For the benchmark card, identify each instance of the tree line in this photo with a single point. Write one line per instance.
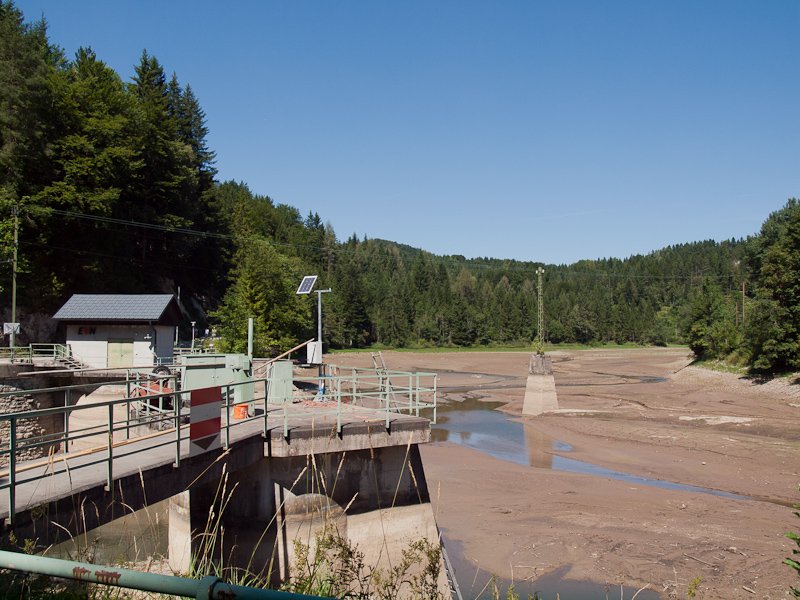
(115, 191)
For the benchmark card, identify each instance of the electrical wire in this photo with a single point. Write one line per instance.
(560, 271)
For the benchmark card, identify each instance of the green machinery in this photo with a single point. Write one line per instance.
(211, 370)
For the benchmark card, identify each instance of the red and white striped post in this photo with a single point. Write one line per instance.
(205, 420)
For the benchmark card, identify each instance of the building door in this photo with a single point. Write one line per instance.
(120, 353)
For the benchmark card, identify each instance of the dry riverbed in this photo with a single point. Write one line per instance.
(642, 412)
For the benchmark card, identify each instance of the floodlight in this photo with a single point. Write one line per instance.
(306, 285)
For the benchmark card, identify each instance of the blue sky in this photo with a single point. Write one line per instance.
(546, 131)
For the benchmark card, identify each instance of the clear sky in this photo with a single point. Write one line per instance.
(548, 131)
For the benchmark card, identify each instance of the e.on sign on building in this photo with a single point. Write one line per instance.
(120, 330)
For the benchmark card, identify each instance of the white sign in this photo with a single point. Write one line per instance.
(10, 328)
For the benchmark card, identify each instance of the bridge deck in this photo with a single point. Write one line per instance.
(309, 429)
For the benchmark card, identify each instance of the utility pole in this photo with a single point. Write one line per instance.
(743, 289)
(540, 332)
(178, 327)
(319, 327)
(13, 336)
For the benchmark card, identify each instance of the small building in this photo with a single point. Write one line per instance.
(120, 330)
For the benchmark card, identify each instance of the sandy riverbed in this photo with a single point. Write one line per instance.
(648, 414)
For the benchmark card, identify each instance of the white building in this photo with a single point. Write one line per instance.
(119, 330)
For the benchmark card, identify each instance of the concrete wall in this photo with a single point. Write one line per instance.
(377, 500)
(89, 342)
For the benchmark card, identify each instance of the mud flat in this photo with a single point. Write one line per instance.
(725, 449)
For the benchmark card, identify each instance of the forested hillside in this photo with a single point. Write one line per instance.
(114, 190)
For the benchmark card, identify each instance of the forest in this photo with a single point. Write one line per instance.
(111, 188)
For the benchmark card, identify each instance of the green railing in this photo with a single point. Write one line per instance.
(31, 351)
(375, 393)
(210, 587)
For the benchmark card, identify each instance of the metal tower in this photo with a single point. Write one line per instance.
(540, 331)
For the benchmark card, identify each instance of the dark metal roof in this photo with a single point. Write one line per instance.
(115, 307)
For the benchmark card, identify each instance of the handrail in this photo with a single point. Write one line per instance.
(26, 354)
(263, 367)
(211, 587)
(383, 393)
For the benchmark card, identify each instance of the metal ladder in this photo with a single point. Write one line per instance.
(385, 384)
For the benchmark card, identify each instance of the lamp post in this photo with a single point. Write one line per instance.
(306, 285)
(193, 324)
(319, 326)
(12, 339)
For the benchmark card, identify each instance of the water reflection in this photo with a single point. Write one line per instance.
(479, 426)
(476, 583)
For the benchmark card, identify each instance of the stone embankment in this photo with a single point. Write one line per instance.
(26, 428)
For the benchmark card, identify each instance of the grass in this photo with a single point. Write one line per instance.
(498, 348)
(736, 368)
(720, 366)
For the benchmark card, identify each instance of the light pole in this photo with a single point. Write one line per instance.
(306, 285)
(319, 326)
(12, 338)
(193, 324)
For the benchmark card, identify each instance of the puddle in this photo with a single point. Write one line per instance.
(479, 426)
(626, 379)
(570, 465)
(477, 584)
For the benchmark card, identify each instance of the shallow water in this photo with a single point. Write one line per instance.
(475, 583)
(136, 537)
(479, 426)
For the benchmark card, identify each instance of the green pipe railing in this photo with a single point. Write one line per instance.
(383, 393)
(207, 588)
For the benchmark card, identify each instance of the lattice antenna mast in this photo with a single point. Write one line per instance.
(540, 331)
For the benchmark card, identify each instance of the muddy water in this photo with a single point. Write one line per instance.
(475, 583)
(479, 426)
(135, 538)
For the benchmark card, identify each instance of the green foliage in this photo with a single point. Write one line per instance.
(713, 332)
(773, 336)
(17, 584)
(83, 154)
(694, 585)
(333, 567)
(263, 287)
(793, 562)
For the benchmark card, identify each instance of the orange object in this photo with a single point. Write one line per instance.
(240, 411)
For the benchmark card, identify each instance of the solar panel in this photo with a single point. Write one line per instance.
(306, 285)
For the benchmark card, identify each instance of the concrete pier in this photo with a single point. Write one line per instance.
(375, 499)
(540, 389)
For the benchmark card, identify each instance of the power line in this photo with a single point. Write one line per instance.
(475, 264)
(155, 226)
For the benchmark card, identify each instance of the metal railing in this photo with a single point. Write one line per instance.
(210, 587)
(111, 436)
(31, 351)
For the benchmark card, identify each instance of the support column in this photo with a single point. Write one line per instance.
(231, 522)
(180, 533)
(540, 389)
